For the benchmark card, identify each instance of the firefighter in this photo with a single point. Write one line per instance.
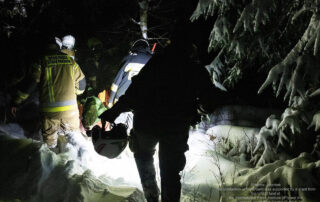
(60, 80)
(139, 55)
(165, 98)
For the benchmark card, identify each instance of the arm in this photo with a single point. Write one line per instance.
(133, 97)
(115, 86)
(79, 79)
(31, 83)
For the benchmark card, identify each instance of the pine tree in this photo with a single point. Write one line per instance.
(281, 37)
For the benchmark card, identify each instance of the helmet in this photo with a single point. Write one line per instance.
(68, 42)
(140, 44)
(110, 143)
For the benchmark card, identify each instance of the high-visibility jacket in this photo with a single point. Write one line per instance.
(134, 62)
(71, 53)
(60, 79)
(92, 109)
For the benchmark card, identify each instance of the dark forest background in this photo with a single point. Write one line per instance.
(26, 24)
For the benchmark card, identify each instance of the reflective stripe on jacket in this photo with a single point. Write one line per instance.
(133, 64)
(59, 82)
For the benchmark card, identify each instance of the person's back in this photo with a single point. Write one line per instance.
(132, 64)
(59, 73)
(164, 98)
(166, 90)
(173, 84)
(59, 80)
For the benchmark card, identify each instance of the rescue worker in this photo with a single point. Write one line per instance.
(164, 98)
(60, 80)
(139, 55)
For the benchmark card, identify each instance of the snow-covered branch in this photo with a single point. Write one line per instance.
(299, 54)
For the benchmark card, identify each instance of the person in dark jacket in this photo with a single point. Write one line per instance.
(139, 55)
(164, 98)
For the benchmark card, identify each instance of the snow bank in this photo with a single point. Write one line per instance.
(31, 172)
(292, 180)
(81, 174)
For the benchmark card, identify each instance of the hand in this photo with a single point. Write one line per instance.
(109, 115)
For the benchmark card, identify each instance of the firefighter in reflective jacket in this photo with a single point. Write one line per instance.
(60, 80)
(133, 63)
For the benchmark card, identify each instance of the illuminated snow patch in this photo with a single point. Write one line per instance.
(80, 157)
(119, 171)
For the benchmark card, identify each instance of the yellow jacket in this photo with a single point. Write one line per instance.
(60, 79)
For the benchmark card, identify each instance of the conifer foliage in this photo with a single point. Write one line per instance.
(280, 39)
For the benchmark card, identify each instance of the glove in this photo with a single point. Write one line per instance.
(109, 115)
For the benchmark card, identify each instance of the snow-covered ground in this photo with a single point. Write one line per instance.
(81, 174)
(32, 172)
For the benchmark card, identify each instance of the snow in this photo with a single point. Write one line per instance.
(296, 175)
(81, 174)
(12, 129)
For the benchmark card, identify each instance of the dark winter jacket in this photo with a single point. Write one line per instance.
(168, 91)
(133, 63)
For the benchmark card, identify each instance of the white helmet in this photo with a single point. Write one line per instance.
(110, 143)
(68, 42)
